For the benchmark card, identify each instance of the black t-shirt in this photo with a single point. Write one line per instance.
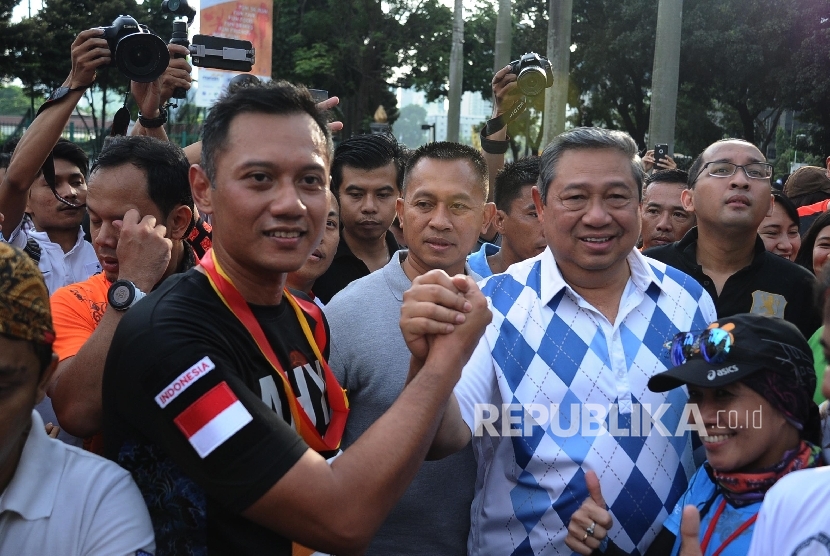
(770, 285)
(195, 412)
(345, 268)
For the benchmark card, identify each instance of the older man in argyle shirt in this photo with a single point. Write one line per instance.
(558, 384)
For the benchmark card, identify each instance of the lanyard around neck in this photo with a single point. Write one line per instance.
(735, 534)
(335, 395)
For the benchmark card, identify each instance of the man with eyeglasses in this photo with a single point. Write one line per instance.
(557, 386)
(730, 194)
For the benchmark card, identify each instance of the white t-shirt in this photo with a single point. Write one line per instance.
(793, 520)
(63, 501)
(60, 269)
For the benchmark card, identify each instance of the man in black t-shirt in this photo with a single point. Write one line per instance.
(730, 194)
(225, 446)
(366, 176)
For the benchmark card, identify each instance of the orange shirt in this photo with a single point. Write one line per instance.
(76, 311)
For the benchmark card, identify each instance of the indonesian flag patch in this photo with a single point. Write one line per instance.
(212, 419)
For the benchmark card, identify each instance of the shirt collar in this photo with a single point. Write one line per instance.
(688, 247)
(34, 486)
(552, 282)
(43, 237)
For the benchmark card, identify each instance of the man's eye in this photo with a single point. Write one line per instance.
(533, 214)
(459, 207)
(652, 211)
(259, 177)
(331, 224)
(423, 205)
(680, 216)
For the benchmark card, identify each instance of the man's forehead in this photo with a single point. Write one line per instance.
(728, 149)
(295, 126)
(446, 178)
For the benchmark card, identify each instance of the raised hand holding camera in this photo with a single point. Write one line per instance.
(90, 51)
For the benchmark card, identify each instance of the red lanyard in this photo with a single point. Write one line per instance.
(335, 395)
(735, 534)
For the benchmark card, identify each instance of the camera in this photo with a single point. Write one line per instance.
(534, 73)
(179, 7)
(139, 54)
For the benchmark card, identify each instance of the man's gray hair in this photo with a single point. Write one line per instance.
(588, 138)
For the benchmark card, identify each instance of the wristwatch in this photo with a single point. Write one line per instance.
(123, 294)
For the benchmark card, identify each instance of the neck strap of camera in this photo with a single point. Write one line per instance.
(497, 124)
(121, 120)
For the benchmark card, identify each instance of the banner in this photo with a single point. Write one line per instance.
(247, 20)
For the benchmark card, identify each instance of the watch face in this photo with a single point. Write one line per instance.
(121, 295)
(60, 92)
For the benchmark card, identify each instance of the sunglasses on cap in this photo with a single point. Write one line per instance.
(713, 345)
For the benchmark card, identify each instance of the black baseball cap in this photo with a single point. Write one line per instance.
(758, 343)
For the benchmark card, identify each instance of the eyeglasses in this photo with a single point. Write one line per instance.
(713, 345)
(756, 170)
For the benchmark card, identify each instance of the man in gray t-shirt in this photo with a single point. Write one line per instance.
(443, 210)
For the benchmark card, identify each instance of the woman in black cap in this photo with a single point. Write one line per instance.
(751, 382)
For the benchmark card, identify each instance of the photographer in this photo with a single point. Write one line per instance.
(151, 98)
(505, 94)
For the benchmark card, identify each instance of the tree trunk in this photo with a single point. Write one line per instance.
(456, 73)
(664, 78)
(504, 32)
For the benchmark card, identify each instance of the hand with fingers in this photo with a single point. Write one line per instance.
(435, 304)
(590, 524)
(143, 251)
(665, 163)
(505, 90)
(648, 161)
(462, 340)
(690, 532)
(328, 104)
(177, 75)
(89, 52)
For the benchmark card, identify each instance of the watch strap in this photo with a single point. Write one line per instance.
(151, 123)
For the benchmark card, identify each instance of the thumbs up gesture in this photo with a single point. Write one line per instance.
(690, 532)
(591, 522)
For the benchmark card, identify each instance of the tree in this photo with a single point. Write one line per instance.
(13, 101)
(738, 54)
(407, 127)
(44, 64)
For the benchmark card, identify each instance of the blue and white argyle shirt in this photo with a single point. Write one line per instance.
(548, 352)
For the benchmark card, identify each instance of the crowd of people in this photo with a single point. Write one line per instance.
(262, 344)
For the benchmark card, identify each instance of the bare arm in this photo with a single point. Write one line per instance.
(151, 96)
(505, 93)
(88, 53)
(373, 473)
(143, 254)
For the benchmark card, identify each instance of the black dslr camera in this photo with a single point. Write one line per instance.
(534, 73)
(139, 54)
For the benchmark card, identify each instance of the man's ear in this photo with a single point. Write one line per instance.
(498, 221)
(537, 201)
(178, 221)
(202, 189)
(489, 214)
(771, 205)
(399, 210)
(46, 377)
(687, 200)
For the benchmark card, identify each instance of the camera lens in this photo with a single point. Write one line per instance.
(532, 81)
(142, 57)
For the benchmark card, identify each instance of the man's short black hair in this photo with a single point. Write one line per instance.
(512, 178)
(368, 152)
(69, 151)
(676, 176)
(445, 150)
(275, 97)
(164, 164)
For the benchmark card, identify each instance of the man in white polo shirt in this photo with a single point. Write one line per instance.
(54, 499)
(558, 383)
